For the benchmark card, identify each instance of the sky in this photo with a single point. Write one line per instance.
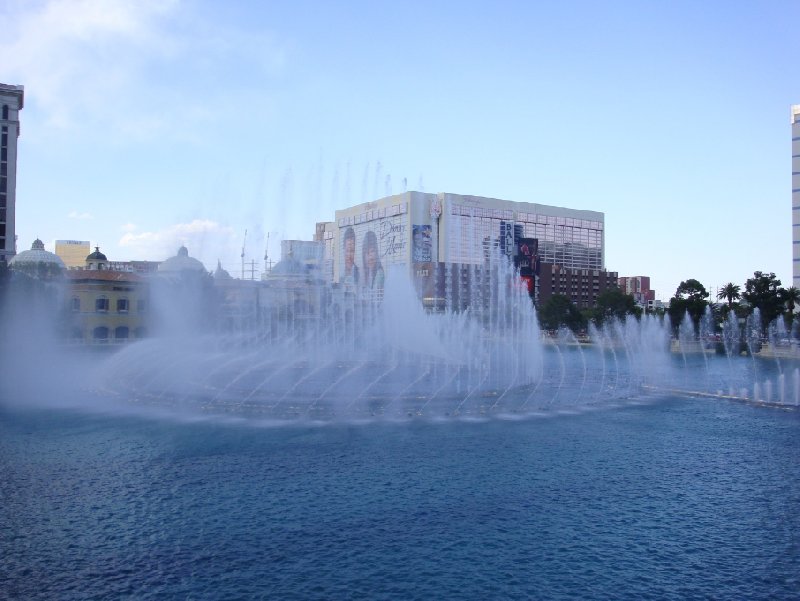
(154, 123)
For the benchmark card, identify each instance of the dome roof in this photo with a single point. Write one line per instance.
(37, 258)
(181, 262)
(290, 267)
(96, 255)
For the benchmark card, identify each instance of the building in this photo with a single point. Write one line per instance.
(180, 264)
(639, 288)
(37, 263)
(11, 103)
(325, 233)
(421, 231)
(795, 112)
(73, 252)
(582, 286)
(416, 227)
(106, 306)
(140, 267)
(309, 252)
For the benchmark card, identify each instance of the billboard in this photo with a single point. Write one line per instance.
(421, 250)
(367, 247)
(526, 257)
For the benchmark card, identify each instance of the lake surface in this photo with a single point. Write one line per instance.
(669, 498)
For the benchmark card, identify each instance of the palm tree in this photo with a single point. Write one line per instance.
(731, 292)
(791, 296)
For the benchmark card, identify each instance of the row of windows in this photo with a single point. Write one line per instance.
(565, 245)
(103, 333)
(508, 215)
(373, 214)
(102, 304)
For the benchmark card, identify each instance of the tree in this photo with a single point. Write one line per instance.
(614, 303)
(764, 291)
(691, 289)
(729, 292)
(791, 298)
(690, 297)
(559, 310)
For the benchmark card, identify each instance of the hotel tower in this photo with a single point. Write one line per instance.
(796, 195)
(11, 100)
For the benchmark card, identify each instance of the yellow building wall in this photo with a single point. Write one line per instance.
(86, 318)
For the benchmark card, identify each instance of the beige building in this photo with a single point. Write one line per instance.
(416, 227)
(106, 307)
(11, 102)
(73, 252)
(795, 113)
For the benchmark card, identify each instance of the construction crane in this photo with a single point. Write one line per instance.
(244, 242)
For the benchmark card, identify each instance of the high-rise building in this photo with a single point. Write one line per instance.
(639, 287)
(11, 101)
(415, 227)
(453, 240)
(73, 252)
(796, 195)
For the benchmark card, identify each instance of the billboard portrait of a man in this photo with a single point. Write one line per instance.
(349, 273)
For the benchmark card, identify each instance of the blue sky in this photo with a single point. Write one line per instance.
(148, 124)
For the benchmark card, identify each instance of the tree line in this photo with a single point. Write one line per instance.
(763, 291)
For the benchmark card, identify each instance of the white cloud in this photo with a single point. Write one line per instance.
(75, 56)
(80, 216)
(133, 68)
(205, 239)
(128, 227)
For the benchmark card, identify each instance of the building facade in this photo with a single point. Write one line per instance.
(795, 113)
(416, 227)
(582, 286)
(11, 103)
(73, 252)
(639, 288)
(106, 306)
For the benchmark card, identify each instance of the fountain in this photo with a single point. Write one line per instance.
(219, 458)
(330, 353)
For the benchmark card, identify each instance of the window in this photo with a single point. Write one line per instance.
(101, 305)
(121, 333)
(5, 111)
(100, 333)
(75, 304)
(141, 306)
(122, 305)
(140, 332)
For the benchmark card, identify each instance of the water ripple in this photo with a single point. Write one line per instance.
(679, 499)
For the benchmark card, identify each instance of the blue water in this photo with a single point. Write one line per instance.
(673, 499)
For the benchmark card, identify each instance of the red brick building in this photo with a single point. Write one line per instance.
(582, 286)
